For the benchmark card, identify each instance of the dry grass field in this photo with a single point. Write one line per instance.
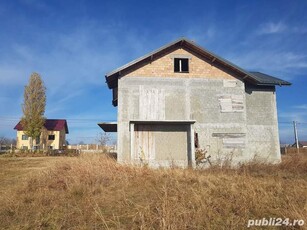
(94, 192)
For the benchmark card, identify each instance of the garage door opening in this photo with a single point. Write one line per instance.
(162, 143)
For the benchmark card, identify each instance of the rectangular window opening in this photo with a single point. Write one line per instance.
(181, 65)
(51, 137)
(24, 137)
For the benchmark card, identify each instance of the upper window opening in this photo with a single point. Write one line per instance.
(181, 65)
(51, 137)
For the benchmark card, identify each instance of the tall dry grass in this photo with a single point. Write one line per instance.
(94, 192)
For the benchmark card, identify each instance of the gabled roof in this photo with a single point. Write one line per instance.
(50, 124)
(255, 78)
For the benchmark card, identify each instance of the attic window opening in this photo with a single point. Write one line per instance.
(181, 65)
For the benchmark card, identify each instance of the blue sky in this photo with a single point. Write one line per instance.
(73, 44)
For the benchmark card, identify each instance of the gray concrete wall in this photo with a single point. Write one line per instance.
(233, 121)
(262, 123)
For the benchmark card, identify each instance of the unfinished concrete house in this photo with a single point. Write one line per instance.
(181, 97)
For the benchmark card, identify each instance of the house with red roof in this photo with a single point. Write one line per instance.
(53, 135)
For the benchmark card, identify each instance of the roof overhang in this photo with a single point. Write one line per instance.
(108, 126)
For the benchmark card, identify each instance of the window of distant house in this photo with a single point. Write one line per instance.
(51, 137)
(181, 65)
(24, 137)
(37, 140)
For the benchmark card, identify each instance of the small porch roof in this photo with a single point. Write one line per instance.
(108, 126)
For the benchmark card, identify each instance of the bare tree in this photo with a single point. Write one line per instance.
(7, 141)
(3, 140)
(103, 138)
(33, 107)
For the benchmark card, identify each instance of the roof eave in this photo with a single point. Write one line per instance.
(66, 128)
(275, 84)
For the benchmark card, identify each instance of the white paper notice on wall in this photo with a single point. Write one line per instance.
(237, 103)
(231, 103)
(229, 83)
(225, 104)
(234, 142)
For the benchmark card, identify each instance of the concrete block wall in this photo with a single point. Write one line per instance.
(262, 123)
(198, 99)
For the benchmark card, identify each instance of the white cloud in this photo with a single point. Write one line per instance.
(198, 34)
(299, 30)
(271, 28)
(303, 106)
(278, 28)
(280, 63)
(293, 115)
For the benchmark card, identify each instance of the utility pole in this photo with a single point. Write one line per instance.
(295, 135)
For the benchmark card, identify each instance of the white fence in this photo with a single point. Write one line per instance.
(93, 148)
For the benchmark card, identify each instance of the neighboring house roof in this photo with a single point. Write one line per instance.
(300, 143)
(255, 78)
(303, 143)
(50, 124)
